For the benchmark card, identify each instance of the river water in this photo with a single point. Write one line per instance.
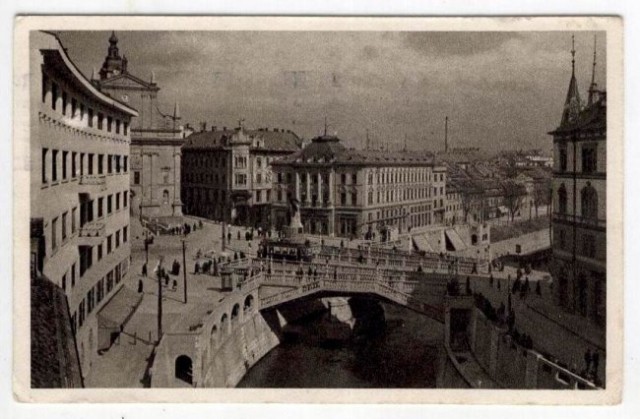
(405, 355)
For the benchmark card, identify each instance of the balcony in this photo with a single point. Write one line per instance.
(93, 183)
(583, 221)
(91, 234)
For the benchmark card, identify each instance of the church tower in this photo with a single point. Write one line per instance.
(114, 64)
(572, 104)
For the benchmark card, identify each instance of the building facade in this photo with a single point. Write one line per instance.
(579, 238)
(79, 142)
(156, 138)
(227, 173)
(358, 193)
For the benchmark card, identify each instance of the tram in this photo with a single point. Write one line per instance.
(287, 250)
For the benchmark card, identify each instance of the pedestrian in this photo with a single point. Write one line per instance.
(238, 236)
(175, 285)
(229, 237)
(140, 285)
(196, 269)
(498, 284)
(144, 269)
(166, 279)
(491, 280)
(587, 360)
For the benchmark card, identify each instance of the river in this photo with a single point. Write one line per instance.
(405, 355)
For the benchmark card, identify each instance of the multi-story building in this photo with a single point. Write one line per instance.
(358, 193)
(579, 236)
(156, 138)
(227, 173)
(79, 142)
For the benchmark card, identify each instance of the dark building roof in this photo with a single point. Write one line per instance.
(593, 117)
(54, 360)
(280, 141)
(328, 149)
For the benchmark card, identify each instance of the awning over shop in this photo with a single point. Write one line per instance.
(455, 240)
(118, 309)
(421, 243)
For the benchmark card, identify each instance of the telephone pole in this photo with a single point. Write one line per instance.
(159, 276)
(184, 267)
(446, 134)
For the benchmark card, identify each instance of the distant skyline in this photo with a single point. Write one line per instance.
(500, 90)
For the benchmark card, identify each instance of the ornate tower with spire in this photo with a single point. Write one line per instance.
(572, 104)
(114, 64)
(156, 137)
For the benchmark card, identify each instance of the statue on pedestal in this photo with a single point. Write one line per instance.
(295, 226)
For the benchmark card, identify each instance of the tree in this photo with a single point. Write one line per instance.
(469, 195)
(513, 194)
(542, 193)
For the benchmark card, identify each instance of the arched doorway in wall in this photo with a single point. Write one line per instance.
(235, 314)
(224, 324)
(184, 369)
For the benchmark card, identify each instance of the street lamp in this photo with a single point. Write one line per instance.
(184, 267)
(158, 272)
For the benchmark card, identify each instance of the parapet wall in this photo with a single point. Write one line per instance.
(513, 366)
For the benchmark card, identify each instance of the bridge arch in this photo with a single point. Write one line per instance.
(213, 337)
(249, 303)
(184, 369)
(224, 324)
(235, 313)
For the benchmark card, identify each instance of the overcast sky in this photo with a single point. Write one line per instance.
(500, 90)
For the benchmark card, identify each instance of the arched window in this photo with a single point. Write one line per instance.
(562, 199)
(165, 197)
(184, 369)
(589, 202)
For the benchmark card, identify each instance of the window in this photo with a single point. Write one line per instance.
(100, 206)
(74, 107)
(81, 313)
(258, 196)
(90, 301)
(589, 245)
(64, 282)
(165, 197)
(54, 165)
(117, 126)
(589, 158)
(65, 155)
(125, 235)
(109, 123)
(74, 212)
(109, 244)
(100, 163)
(109, 204)
(64, 103)
(100, 120)
(54, 237)
(259, 162)
(90, 119)
(117, 164)
(562, 199)
(126, 128)
(100, 290)
(74, 155)
(562, 239)
(589, 202)
(45, 82)
(343, 198)
(90, 166)
(136, 177)
(354, 178)
(54, 96)
(125, 196)
(73, 275)
(64, 226)
(343, 179)
(125, 164)
(563, 158)
(241, 179)
(117, 201)
(81, 164)
(259, 178)
(117, 239)
(109, 281)
(354, 199)
(100, 251)
(44, 165)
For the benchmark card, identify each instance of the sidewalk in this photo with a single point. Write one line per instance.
(126, 363)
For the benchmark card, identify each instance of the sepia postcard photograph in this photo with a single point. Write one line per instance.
(264, 209)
